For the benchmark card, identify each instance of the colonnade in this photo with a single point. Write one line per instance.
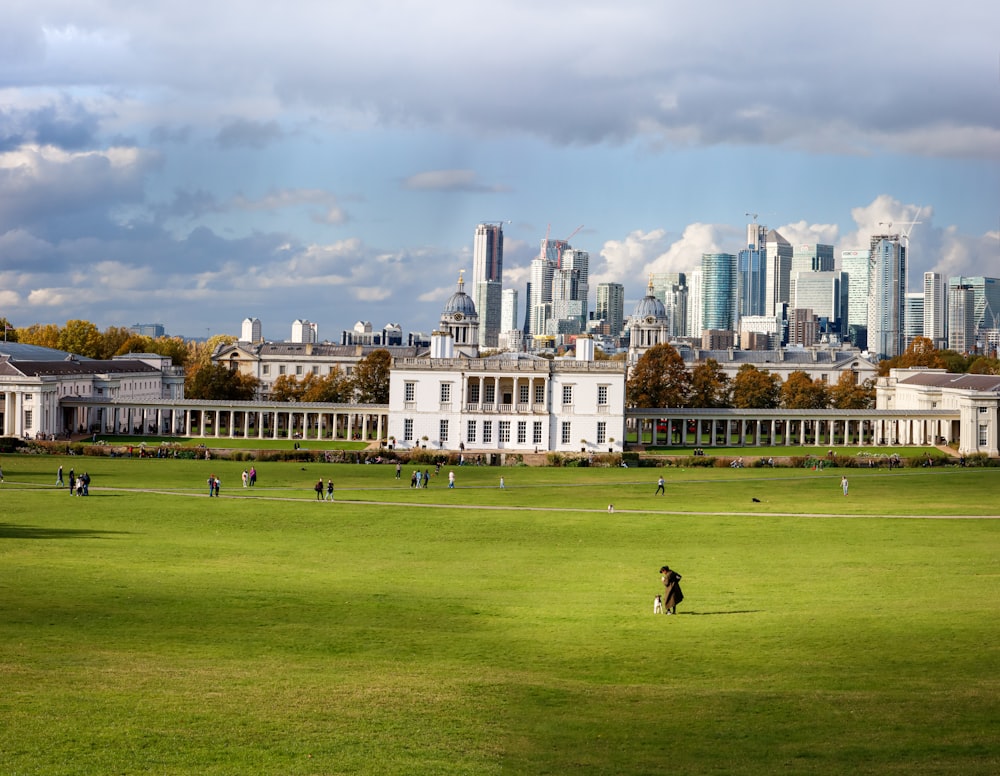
(246, 420)
(758, 428)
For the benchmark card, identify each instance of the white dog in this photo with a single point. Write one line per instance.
(658, 605)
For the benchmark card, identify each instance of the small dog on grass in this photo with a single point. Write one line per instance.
(658, 605)
(755, 500)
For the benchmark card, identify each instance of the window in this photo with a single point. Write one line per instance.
(470, 431)
(522, 432)
(474, 393)
(27, 415)
(522, 394)
(443, 430)
(566, 432)
(983, 431)
(409, 391)
(602, 430)
(282, 370)
(602, 395)
(408, 430)
(540, 394)
(536, 433)
(487, 432)
(266, 369)
(567, 394)
(445, 393)
(490, 393)
(298, 369)
(504, 434)
(315, 370)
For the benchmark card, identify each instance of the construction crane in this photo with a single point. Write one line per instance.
(574, 233)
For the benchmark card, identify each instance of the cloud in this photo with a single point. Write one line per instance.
(246, 133)
(448, 180)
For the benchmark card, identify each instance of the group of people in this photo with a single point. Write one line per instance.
(318, 487)
(78, 486)
(214, 483)
(420, 479)
(250, 477)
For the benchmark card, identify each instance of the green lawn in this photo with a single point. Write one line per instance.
(149, 629)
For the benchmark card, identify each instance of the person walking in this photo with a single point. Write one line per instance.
(211, 485)
(844, 484)
(329, 490)
(451, 480)
(672, 594)
(659, 487)
(318, 487)
(246, 478)
(59, 479)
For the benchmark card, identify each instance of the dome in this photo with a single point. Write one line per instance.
(649, 307)
(460, 302)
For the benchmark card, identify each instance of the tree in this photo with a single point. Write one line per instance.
(371, 377)
(9, 332)
(801, 392)
(659, 379)
(115, 338)
(920, 352)
(82, 338)
(136, 343)
(219, 383)
(336, 387)
(848, 394)
(982, 365)
(756, 389)
(174, 347)
(46, 336)
(285, 388)
(709, 385)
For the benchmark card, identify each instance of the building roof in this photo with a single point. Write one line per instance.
(770, 359)
(18, 351)
(963, 382)
(69, 367)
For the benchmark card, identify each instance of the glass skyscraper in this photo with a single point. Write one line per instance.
(886, 296)
(718, 291)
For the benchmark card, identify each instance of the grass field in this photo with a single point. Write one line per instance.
(149, 629)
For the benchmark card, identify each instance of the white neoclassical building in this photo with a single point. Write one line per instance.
(454, 400)
(972, 400)
(37, 383)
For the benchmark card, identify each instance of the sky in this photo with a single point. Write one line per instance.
(197, 163)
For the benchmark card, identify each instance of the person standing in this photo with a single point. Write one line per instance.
(218, 484)
(59, 479)
(844, 484)
(502, 486)
(659, 487)
(399, 469)
(329, 490)
(253, 476)
(672, 594)
(246, 478)
(72, 482)
(318, 487)
(451, 480)
(427, 478)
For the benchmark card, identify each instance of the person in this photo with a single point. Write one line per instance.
(399, 469)
(72, 482)
(451, 479)
(672, 594)
(253, 476)
(329, 490)
(427, 478)
(318, 487)
(218, 484)
(659, 487)
(843, 484)
(211, 485)
(501, 484)
(84, 480)
(59, 479)
(413, 479)
(246, 478)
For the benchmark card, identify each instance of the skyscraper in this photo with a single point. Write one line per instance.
(487, 280)
(855, 264)
(961, 318)
(913, 320)
(752, 282)
(696, 306)
(540, 302)
(825, 293)
(986, 292)
(935, 309)
(718, 289)
(508, 310)
(886, 296)
(779, 269)
(611, 306)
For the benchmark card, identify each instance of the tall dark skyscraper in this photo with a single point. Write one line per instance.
(487, 281)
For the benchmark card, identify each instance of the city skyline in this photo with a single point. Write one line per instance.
(197, 164)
